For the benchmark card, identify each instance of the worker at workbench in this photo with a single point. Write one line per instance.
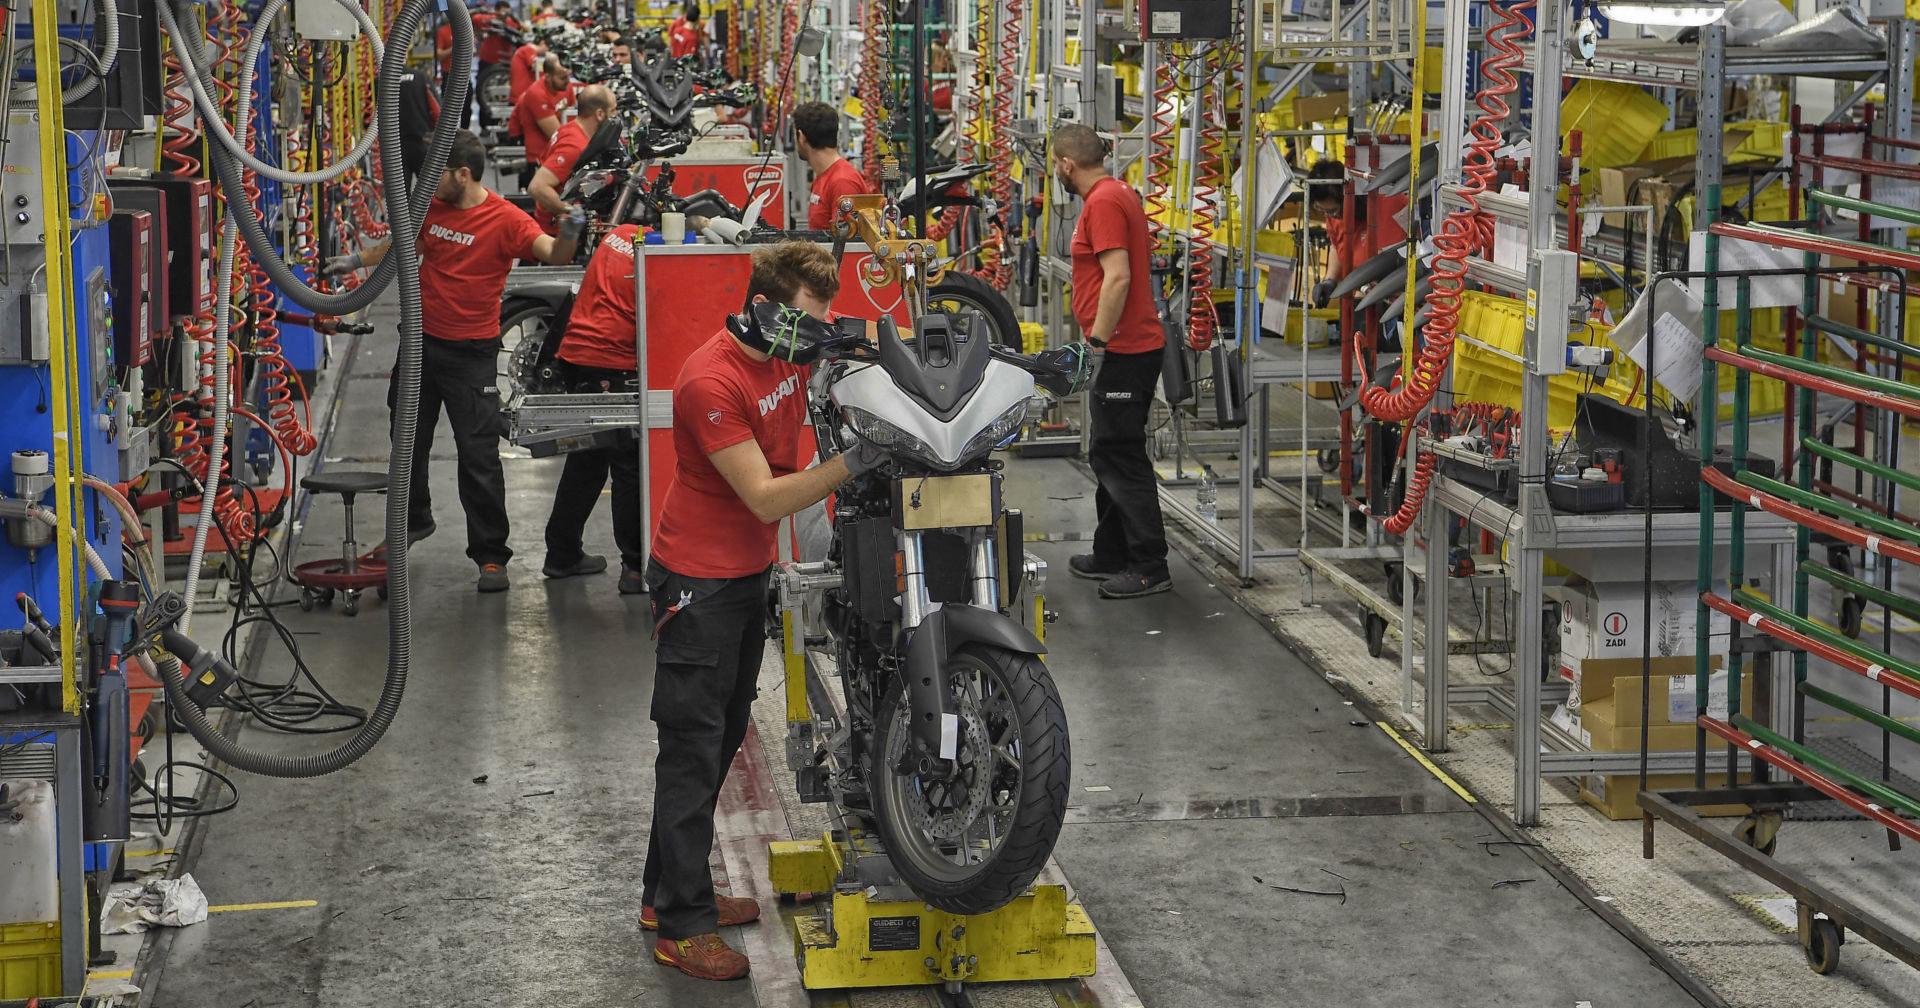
(816, 135)
(595, 106)
(1353, 242)
(469, 240)
(738, 415)
(596, 354)
(1113, 304)
(537, 116)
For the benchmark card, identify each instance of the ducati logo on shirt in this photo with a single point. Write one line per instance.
(713, 416)
(771, 400)
(444, 233)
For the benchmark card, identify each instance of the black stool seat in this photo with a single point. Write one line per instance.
(347, 482)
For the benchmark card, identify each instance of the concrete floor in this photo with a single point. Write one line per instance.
(1210, 767)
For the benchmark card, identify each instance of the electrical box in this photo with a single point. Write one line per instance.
(133, 282)
(1553, 282)
(132, 197)
(1186, 19)
(98, 309)
(324, 21)
(186, 229)
(133, 90)
(20, 182)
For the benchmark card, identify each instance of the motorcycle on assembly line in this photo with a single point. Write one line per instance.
(946, 729)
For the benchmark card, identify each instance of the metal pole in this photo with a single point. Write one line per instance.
(646, 400)
(1247, 318)
(918, 81)
(1537, 524)
(1409, 555)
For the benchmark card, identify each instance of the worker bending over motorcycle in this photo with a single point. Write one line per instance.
(595, 106)
(816, 135)
(469, 241)
(738, 416)
(536, 118)
(596, 354)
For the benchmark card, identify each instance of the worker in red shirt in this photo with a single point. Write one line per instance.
(470, 239)
(595, 107)
(537, 115)
(522, 71)
(816, 134)
(1352, 240)
(1113, 304)
(686, 33)
(596, 354)
(738, 416)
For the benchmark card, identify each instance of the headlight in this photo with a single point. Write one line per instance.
(1001, 431)
(897, 442)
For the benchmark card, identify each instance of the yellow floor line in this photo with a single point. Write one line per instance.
(115, 975)
(283, 905)
(1433, 769)
(150, 853)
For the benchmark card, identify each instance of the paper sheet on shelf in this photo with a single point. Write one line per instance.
(1739, 255)
(1675, 337)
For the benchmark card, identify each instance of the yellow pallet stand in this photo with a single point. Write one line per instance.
(875, 933)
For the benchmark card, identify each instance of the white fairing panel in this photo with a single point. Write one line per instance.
(871, 389)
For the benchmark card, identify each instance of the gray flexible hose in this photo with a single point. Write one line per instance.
(110, 42)
(453, 104)
(405, 220)
(236, 141)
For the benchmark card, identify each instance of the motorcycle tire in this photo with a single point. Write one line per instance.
(495, 85)
(1023, 707)
(961, 291)
(520, 358)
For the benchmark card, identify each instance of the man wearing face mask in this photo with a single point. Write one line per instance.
(469, 241)
(595, 104)
(1113, 304)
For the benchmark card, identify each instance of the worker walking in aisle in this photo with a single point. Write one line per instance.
(816, 134)
(738, 415)
(595, 106)
(596, 353)
(470, 239)
(537, 116)
(686, 34)
(1113, 305)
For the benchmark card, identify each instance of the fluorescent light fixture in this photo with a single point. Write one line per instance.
(1688, 14)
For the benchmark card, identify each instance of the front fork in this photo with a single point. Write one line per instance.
(934, 634)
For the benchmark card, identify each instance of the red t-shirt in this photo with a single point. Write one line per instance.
(494, 47)
(464, 259)
(600, 330)
(1352, 243)
(1113, 219)
(562, 152)
(723, 398)
(682, 38)
(539, 102)
(840, 179)
(522, 72)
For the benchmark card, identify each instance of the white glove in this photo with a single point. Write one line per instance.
(340, 266)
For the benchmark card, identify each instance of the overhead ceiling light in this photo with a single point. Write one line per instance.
(1685, 14)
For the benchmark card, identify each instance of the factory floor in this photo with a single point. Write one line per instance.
(488, 851)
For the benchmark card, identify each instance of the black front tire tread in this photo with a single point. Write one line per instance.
(994, 304)
(1044, 797)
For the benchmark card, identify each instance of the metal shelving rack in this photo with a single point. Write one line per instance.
(1532, 529)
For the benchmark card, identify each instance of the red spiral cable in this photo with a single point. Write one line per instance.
(1160, 155)
(190, 450)
(873, 86)
(1400, 521)
(1467, 229)
(181, 120)
(1000, 162)
(734, 48)
(1206, 172)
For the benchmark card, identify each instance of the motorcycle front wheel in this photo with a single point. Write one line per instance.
(960, 292)
(971, 842)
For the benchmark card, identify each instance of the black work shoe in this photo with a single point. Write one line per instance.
(632, 582)
(378, 554)
(1088, 566)
(1133, 584)
(587, 564)
(493, 578)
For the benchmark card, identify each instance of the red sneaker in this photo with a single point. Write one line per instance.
(703, 957)
(734, 911)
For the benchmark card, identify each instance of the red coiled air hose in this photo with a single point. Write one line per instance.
(1467, 229)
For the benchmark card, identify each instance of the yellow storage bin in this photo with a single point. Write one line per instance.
(1766, 141)
(1615, 121)
(1130, 76)
(1322, 322)
(29, 961)
(1481, 375)
(1033, 337)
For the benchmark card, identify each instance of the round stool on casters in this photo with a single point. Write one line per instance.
(352, 573)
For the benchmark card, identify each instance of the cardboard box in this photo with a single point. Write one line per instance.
(1660, 182)
(1320, 108)
(1600, 732)
(1617, 795)
(1600, 620)
(1670, 696)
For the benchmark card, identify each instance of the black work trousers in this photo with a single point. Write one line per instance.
(1129, 533)
(460, 376)
(710, 635)
(581, 481)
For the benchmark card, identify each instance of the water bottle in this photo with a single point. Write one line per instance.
(1208, 498)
